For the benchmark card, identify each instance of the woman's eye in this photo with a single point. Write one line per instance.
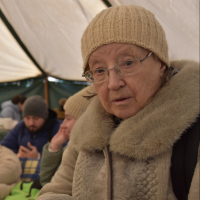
(99, 71)
(128, 63)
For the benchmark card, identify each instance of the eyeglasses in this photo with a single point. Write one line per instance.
(125, 68)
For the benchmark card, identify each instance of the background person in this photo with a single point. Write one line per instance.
(38, 126)
(121, 147)
(60, 111)
(13, 108)
(74, 107)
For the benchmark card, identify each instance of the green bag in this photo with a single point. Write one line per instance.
(24, 191)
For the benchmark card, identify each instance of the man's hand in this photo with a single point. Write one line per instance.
(60, 138)
(27, 153)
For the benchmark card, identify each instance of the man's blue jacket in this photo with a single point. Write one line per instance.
(20, 135)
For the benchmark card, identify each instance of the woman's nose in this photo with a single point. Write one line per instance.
(115, 81)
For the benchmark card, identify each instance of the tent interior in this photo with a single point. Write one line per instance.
(40, 42)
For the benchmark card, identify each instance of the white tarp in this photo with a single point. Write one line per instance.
(180, 20)
(52, 29)
(14, 63)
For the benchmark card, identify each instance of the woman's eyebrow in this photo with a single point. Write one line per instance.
(93, 60)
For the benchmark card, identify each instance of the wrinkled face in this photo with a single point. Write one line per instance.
(124, 96)
(34, 123)
(68, 123)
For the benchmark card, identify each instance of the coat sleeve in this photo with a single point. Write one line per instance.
(11, 139)
(61, 184)
(49, 164)
(10, 167)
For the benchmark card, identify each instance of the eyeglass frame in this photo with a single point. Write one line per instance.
(149, 54)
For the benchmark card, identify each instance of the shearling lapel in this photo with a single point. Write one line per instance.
(93, 129)
(151, 131)
(156, 127)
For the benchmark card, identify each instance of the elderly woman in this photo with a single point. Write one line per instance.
(122, 146)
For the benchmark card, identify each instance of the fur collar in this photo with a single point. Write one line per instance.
(154, 129)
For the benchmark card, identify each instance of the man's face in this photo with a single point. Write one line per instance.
(34, 123)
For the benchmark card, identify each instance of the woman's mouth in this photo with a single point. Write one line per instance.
(121, 100)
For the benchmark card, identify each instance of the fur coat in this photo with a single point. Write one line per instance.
(132, 160)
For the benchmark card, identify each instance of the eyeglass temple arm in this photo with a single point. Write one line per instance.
(146, 57)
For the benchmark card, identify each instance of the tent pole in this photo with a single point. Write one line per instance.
(46, 90)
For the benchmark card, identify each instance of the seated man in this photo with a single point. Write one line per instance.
(38, 126)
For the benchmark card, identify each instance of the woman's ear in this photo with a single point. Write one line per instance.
(162, 68)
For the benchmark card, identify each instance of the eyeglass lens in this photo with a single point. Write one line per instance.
(125, 68)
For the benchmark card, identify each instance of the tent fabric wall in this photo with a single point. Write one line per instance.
(62, 89)
(14, 63)
(29, 87)
(51, 30)
(35, 86)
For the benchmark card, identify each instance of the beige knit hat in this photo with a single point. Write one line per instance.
(129, 24)
(77, 104)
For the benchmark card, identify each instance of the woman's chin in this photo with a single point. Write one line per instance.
(125, 113)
